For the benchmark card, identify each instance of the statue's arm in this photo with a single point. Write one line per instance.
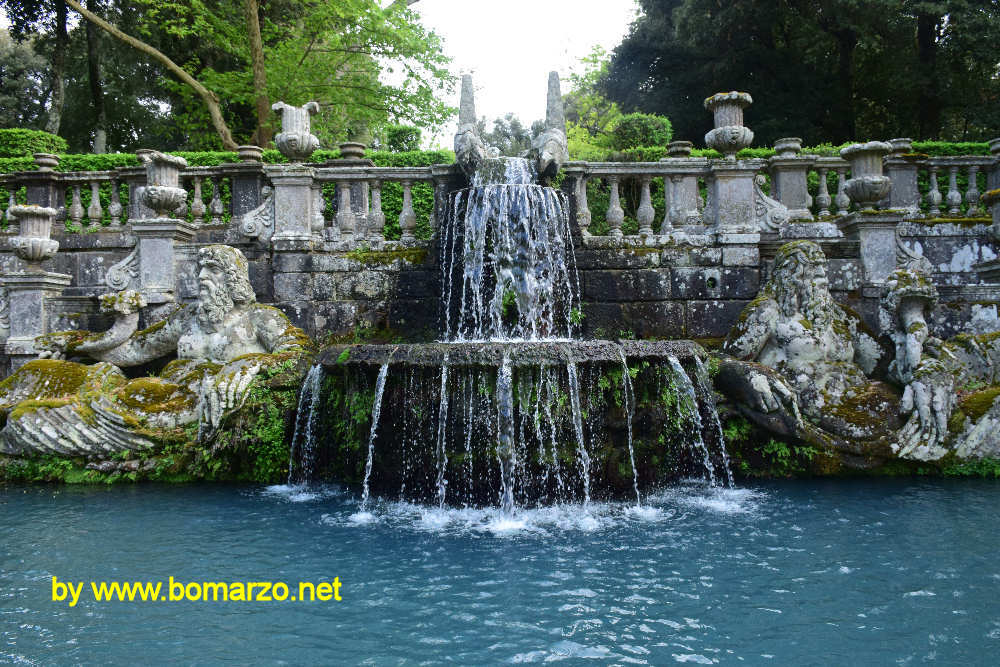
(148, 344)
(752, 331)
(275, 331)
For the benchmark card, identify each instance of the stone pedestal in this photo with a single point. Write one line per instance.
(293, 202)
(29, 295)
(731, 193)
(246, 181)
(155, 240)
(876, 233)
(788, 185)
(904, 195)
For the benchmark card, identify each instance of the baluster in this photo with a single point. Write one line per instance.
(11, 220)
(95, 212)
(615, 215)
(972, 194)
(668, 205)
(197, 203)
(345, 216)
(215, 206)
(645, 213)
(842, 201)
(376, 225)
(115, 205)
(823, 199)
(318, 209)
(933, 194)
(407, 217)
(954, 198)
(75, 207)
(582, 206)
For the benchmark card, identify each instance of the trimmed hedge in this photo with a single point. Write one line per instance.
(19, 142)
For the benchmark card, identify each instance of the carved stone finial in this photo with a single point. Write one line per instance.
(296, 141)
(33, 244)
(469, 148)
(554, 116)
(549, 149)
(867, 185)
(729, 136)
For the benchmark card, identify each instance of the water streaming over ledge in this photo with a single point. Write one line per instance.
(511, 409)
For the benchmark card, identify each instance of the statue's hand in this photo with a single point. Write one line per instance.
(762, 392)
(225, 391)
(928, 401)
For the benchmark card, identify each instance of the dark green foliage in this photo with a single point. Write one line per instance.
(823, 70)
(21, 143)
(635, 130)
(401, 138)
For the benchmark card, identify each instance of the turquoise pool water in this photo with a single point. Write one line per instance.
(866, 572)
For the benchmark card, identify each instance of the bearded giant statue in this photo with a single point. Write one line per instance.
(800, 365)
(221, 343)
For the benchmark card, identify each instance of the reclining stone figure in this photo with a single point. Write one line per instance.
(800, 363)
(802, 366)
(221, 342)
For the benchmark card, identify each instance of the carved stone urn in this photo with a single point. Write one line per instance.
(788, 147)
(296, 141)
(867, 185)
(33, 244)
(250, 153)
(162, 192)
(729, 136)
(46, 161)
(679, 149)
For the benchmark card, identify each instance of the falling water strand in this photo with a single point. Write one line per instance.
(516, 249)
(376, 411)
(705, 386)
(442, 434)
(574, 399)
(306, 445)
(629, 400)
(505, 434)
(687, 387)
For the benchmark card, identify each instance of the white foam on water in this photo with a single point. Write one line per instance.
(698, 495)
(362, 518)
(300, 493)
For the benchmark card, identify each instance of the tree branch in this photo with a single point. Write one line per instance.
(210, 99)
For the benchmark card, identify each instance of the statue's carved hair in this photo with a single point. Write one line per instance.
(234, 266)
(790, 287)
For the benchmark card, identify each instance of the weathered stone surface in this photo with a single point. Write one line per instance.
(638, 285)
(740, 256)
(713, 318)
(715, 283)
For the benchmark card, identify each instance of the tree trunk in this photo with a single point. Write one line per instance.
(262, 136)
(210, 99)
(847, 42)
(96, 89)
(929, 100)
(58, 70)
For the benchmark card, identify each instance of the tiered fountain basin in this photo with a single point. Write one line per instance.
(487, 423)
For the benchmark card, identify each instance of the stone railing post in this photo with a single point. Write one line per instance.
(788, 178)
(157, 236)
(407, 216)
(246, 179)
(901, 168)
(875, 230)
(575, 186)
(44, 187)
(30, 291)
(293, 202)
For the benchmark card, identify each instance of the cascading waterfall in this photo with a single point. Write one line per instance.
(303, 439)
(510, 405)
(705, 385)
(691, 407)
(507, 258)
(629, 397)
(383, 372)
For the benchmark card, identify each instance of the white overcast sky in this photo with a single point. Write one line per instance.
(510, 47)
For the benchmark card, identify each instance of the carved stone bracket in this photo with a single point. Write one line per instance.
(769, 213)
(911, 257)
(259, 223)
(123, 275)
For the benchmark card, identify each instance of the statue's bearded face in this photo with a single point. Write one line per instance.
(214, 299)
(803, 289)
